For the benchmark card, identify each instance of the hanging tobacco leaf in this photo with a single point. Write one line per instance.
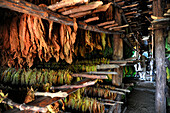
(103, 38)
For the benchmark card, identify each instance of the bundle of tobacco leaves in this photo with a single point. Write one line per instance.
(35, 77)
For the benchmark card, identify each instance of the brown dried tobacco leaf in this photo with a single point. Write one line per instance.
(87, 41)
(30, 59)
(40, 32)
(11, 61)
(30, 95)
(14, 41)
(6, 44)
(62, 35)
(22, 32)
(108, 41)
(67, 45)
(37, 37)
(75, 26)
(69, 58)
(50, 28)
(27, 43)
(30, 23)
(55, 44)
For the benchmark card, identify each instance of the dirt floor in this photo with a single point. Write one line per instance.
(142, 98)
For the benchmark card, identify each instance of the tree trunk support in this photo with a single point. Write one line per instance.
(160, 98)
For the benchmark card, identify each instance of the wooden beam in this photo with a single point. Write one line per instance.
(41, 12)
(160, 97)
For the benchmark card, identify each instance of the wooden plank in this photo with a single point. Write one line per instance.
(106, 23)
(82, 8)
(34, 10)
(91, 19)
(65, 3)
(45, 101)
(160, 97)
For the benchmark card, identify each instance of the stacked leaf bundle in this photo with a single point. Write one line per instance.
(77, 66)
(35, 77)
(77, 102)
(30, 37)
(93, 44)
(100, 92)
(27, 38)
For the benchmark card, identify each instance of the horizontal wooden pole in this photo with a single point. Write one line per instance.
(101, 72)
(90, 76)
(42, 12)
(107, 66)
(45, 101)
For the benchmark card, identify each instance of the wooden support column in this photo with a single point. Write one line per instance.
(117, 55)
(160, 98)
(117, 50)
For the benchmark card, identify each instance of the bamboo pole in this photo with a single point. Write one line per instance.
(42, 12)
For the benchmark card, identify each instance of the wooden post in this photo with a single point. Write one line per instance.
(160, 98)
(117, 55)
(117, 50)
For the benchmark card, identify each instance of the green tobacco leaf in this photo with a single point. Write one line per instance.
(103, 37)
(27, 76)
